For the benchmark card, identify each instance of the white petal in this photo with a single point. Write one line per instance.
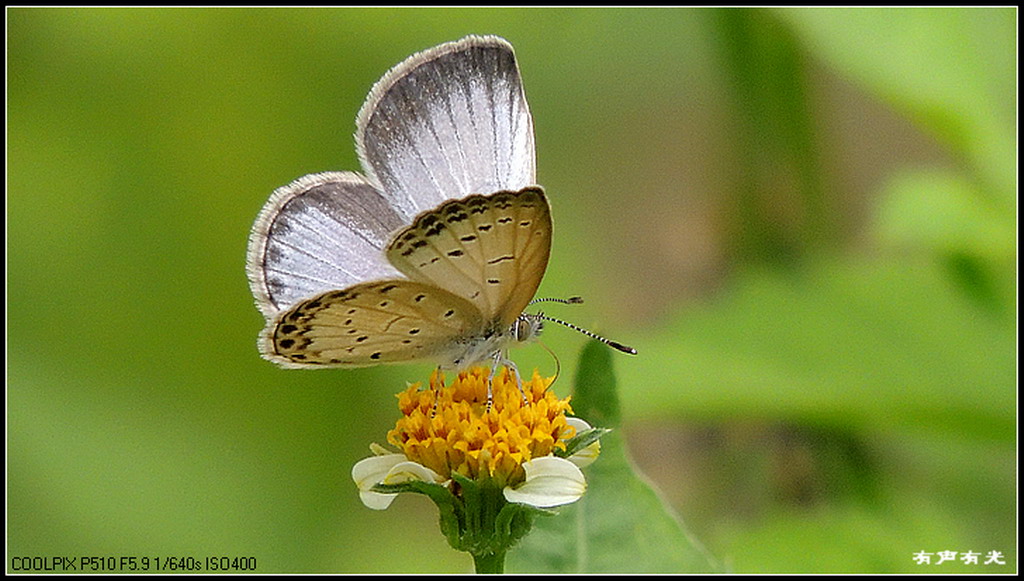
(387, 469)
(370, 471)
(550, 481)
(579, 423)
(587, 455)
(408, 470)
(379, 450)
(376, 500)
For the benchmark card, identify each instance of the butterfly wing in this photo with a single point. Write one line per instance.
(321, 232)
(448, 122)
(390, 321)
(490, 250)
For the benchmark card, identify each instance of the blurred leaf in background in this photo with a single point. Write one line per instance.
(803, 219)
(857, 405)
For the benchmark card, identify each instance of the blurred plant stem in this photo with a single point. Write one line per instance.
(781, 210)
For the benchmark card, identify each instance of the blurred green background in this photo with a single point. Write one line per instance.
(804, 220)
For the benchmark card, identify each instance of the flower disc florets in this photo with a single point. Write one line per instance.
(451, 429)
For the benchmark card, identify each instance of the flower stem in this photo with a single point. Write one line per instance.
(490, 562)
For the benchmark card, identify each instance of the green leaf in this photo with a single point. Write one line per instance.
(953, 70)
(944, 212)
(848, 343)
(595, 396)
(621, 524)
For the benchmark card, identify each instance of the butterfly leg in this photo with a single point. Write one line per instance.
(501, 359)
(490, 382)
(435, 380)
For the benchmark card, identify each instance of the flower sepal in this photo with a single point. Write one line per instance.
(483, 523)
(582, 440)
(439, 493)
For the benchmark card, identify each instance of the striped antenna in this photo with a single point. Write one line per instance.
(576, 301)
(568, 301)
(608, 342)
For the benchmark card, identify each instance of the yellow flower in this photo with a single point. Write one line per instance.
(510, 445)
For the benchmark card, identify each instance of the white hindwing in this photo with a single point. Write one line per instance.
(321, 232)
(448, 122)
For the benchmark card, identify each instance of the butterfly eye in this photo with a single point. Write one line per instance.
(526, 327)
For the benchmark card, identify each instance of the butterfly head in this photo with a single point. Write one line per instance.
(526, 327)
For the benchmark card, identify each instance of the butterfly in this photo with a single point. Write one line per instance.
(435, 250)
